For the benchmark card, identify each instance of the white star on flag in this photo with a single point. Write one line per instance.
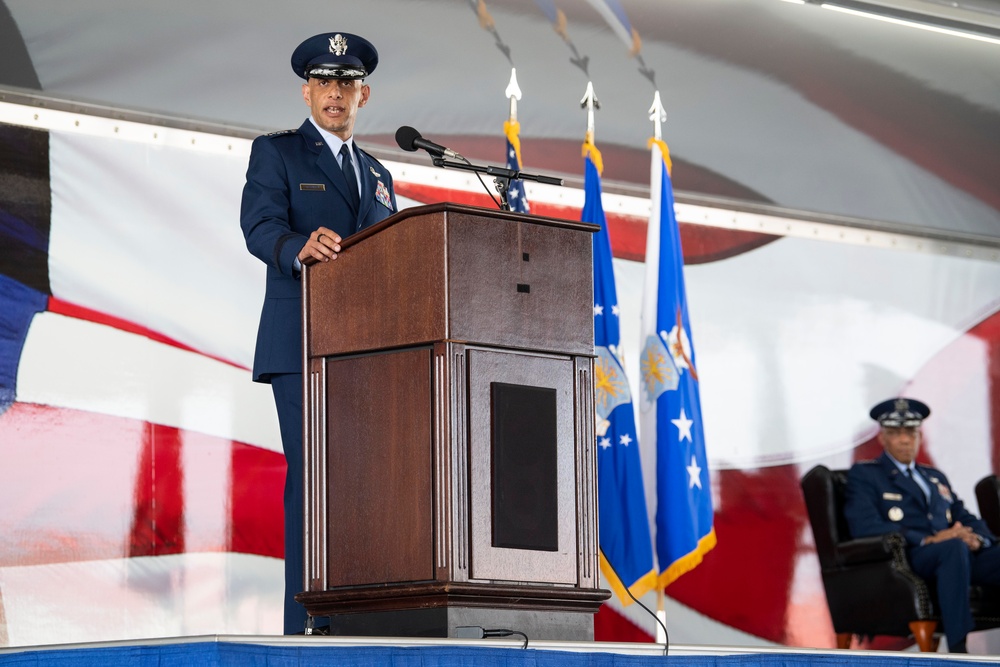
(604, 443)
(625, 440)
(694, 473)
(615, 310)
(598, 309)
(683, 425)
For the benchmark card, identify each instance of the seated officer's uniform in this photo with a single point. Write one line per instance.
(886, 495)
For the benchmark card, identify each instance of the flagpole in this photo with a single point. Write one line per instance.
(626, 553)
(647, 318)
(671, 408)
(590, 103)
(515, 194)
(661, 615)
(513, 94)
(658, 115)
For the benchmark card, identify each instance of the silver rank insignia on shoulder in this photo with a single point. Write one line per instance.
(895, 514)
(338, 45)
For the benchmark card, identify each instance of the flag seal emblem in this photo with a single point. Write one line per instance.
(659, 371)
(610, 384)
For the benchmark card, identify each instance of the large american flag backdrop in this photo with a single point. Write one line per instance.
(140, 468)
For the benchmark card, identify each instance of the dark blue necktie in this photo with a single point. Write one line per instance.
(912, 474)
(347, 167)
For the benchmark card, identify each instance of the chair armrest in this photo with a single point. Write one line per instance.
(891, 546)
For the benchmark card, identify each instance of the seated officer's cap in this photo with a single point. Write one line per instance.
(900, 412)
(335, 55)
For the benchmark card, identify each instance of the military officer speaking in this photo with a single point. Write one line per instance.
(946, 544)
(306, 190)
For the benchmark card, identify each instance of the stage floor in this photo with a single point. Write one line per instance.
(246, 651)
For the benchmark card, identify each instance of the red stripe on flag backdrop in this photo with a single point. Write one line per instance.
(60, 307)
(110, 487)
(158, 517)
(610, 626)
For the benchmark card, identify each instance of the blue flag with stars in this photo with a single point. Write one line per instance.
(670, 406)
(515, 194)
(626, 550)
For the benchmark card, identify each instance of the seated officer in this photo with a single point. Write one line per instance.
(947, 545)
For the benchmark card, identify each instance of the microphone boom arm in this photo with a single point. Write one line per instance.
(501, 176)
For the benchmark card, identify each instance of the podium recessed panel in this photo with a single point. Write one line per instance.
(525, 477)
(534, 551)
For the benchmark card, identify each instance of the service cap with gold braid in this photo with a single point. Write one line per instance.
(335, 55)
(900, 413)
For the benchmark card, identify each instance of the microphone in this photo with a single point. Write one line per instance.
(410, 140)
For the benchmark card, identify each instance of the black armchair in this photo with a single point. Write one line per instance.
(870, 587)
(988, 495)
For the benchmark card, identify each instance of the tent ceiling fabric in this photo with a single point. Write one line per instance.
(776, 102)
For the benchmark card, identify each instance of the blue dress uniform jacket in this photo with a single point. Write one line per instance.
(294, 186)
(880, 499)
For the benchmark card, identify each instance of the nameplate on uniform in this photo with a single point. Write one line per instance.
(313, 187)
(892, 496)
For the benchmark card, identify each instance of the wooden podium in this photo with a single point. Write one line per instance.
(449, 427)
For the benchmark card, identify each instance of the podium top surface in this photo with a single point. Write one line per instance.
(448, 272)
(448, 207)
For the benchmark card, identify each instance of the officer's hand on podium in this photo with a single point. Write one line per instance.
(322, 246)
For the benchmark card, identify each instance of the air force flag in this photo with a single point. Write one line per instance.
(670, 405)
(626, 552)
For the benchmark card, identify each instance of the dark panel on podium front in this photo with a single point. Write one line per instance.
(525, 467)
(513, 480)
